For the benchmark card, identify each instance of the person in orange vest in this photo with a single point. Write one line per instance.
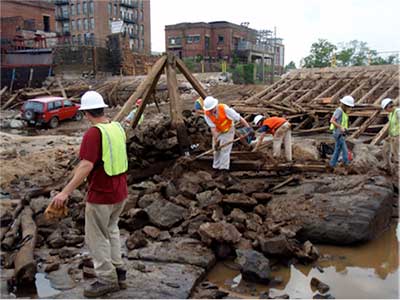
(280, 129)
(220, 118)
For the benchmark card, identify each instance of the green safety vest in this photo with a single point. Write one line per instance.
(394, 124)
(344, 123)
(114, 154)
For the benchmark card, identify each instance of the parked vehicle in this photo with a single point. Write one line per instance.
(50, 111)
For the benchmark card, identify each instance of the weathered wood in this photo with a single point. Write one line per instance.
(15, 214)
(3, 90)
(327, 92)
(176, 105)
(10, 101)
(340, 92)
(264, 92)
(12, 235)
(312, 91)
(64, 94)
(381, 135)
(189, 76)
(145, 85)
(25, 264)
(372, 90)
(365, 125)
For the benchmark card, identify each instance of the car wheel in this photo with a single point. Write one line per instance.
(29, 115)
(78, 116)
(53, 122)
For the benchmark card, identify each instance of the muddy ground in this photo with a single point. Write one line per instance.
(180, 219)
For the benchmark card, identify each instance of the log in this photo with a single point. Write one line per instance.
(365, 125)
(12, 235)
(146, 84)
(10, 101)
(278, 186)
(189, 76)
(176, 105)
(16, 212)
(25, 264)
(381, 135)
(3, 90)
(340, 92)
(327, 92)
(264, 92)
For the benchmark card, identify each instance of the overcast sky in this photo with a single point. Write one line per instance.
(298, 22)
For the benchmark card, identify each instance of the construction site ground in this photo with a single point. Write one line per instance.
(187, 232)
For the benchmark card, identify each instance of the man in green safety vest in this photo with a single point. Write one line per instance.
(104, 162)
(339, 126)
(391, 147)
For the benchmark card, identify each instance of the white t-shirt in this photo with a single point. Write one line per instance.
(231, 114)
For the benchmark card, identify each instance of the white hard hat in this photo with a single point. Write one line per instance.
(385, 102)
(210, 103)
(348, 100)
(92, 100)
(257, 119)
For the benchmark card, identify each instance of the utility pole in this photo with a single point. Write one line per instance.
(274, 56)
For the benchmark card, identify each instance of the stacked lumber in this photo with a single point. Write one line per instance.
(309, 97)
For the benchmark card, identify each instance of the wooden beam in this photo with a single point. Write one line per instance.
(381, 135)
(64, 94)
(259, 95)
(176, 105)
(145, 85)
(10, 101)
(365, 125)
(342, 90)
(312, 91)
(189, 76)
(372, 90)
(327, 92)
(3, 90)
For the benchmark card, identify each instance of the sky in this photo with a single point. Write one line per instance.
(298, 22)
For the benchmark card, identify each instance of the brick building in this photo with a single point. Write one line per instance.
(223, 40)
(89, 21)
(28, 15)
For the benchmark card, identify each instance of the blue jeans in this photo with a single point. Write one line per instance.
(340, 146)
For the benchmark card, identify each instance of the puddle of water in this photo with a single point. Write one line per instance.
(366, 271)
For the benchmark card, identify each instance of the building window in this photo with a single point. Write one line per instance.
(65, 27)
(109, 9)
(64, 10)
(78, 24)
(91, 23)
(192, 39)
(46, 23)
(78, 9)
(174, 41)
(142, 43)
(91, 7)
(220, 39)
(142, 29)
(85, 24)
(79, 38)
(84, 8)
(115, 10)
(73, 25)
(72, 9)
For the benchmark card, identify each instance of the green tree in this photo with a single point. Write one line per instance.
(290, 66)
(320, 54)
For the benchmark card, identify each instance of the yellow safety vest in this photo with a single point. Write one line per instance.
(394, 124)
(114, 154)
(344, 123)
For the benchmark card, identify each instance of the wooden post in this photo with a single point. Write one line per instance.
(381, 135)
(30, 77)
(176, 105)
(189, 76)
(12, 79)
(25, 264)
(145, 85)
(3, 90)
(64, 94)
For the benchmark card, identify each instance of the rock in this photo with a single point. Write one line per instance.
(261, 210)
(223, 250)
(181, 200)
(194, 224)
(319, 285)
(220, 232)
(189, 189)
(305, 150)
(39, 204)
(277, 246)
(326, 296)
(52, 267)
(165, 214)
(208, 198)
(208, 290)
(170, 190)
(73, 239)
(253, 222)
(254, 266)
(148, 199)
(366, 158)
(244, 244)
(76, 196)
(239, 200)
(151, 231)
(67, 253)
(55, 240)
(136, 240)
(178, 250)
(17, 124)
(164, 236)
(249, 187)
(336, 209)
(60, 279)
(88, 272)
(237, 215)
(133, 219)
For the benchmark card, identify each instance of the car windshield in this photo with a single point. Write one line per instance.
(35, 106)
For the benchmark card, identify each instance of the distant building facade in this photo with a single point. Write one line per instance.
(222, 40)
(90, 21)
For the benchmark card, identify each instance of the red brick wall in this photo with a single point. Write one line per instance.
(33, 9)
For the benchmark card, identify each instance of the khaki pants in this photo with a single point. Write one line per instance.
(103, 240)
(391, 152)
(222, 158)
(284, 134)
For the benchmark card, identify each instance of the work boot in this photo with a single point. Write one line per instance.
(121, 273)
(98, 289)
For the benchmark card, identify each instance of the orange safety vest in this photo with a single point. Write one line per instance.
(274, 123)
(222, 123)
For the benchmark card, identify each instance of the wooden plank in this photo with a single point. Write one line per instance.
(381, 135)
(144, 85)
(312, 91)
(3, 90)
(372, 90)
(365, 125)
(340, 92)
(189, 76)
(278, 186)
(10, 101)
(176, 105)
(259, 95)
(327, 92)
(64, 94)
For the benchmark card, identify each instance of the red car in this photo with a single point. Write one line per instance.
(50, 111)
